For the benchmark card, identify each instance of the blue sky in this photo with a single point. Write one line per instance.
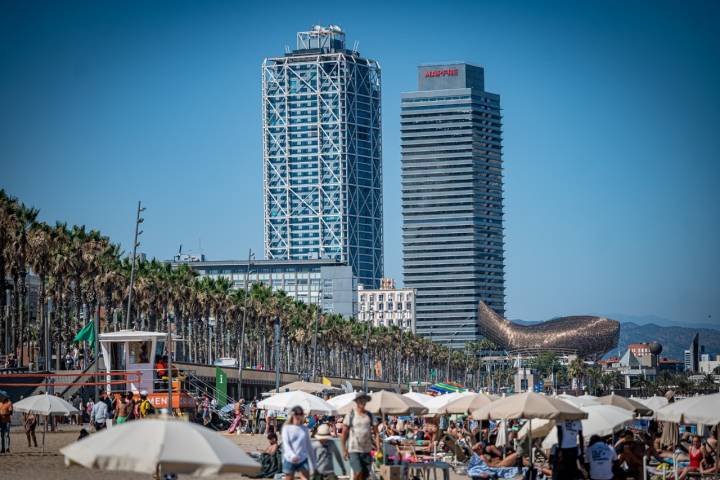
(611, 144)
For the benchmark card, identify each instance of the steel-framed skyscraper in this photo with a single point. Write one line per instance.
(322, 155)
(452, 200)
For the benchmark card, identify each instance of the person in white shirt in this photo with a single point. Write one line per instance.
(296, 446)
(570, 437)
(602, 458)
(99, 415)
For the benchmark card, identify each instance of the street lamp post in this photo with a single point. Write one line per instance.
(241, 353)
(277, 354)
(138, 232)
(399, 365)
(315, 333)
(366, 358)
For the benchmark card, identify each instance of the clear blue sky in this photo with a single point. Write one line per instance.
(611, 114)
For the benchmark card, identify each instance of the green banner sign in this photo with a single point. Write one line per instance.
(221, 387)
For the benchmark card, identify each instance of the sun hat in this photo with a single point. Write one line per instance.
(323, 431)
(363, 397)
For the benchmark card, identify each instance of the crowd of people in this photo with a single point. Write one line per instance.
(483, 449)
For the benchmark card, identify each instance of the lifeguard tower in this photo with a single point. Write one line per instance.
(128, 351)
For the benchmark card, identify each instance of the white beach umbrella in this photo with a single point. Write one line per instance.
(529, 405)
(579, 401)
(307, 387)
(602, 420)
(310, 404)
(344, 403)
(421, 398)
(626, 403)
(703, 409)
(438, 405)
(45, 405)
(468, 403)
(654, 403)
(539, 427)
(391, 403)
(158, 446)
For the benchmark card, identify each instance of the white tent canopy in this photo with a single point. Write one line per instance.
(602, 420)
(579, 401)
(158, 446)
(310, 404)
(703, 409)
(421, 398)
(45, 405)
(344, 403)
(438, 405)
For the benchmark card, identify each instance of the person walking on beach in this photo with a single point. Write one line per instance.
(359, 437)
(30, 422)
(325, 452)
(297, 449)
(6, 411)
(146, 408)
(99, 414)
(122, 409)
(602, 459)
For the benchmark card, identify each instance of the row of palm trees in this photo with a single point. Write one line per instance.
(81, 274)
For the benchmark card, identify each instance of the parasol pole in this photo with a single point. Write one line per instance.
(47, 417)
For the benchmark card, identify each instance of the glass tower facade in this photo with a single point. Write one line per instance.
(322, 155)
(452, 200)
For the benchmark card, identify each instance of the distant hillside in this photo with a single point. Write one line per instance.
(675, 340)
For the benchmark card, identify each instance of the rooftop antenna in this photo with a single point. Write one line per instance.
(287, 48)
(356, 44)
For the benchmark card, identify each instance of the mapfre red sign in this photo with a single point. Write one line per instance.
(450, 72)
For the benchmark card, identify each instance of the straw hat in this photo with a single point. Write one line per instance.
(323, 431)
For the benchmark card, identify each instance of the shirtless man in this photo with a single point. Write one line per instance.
(122, 410)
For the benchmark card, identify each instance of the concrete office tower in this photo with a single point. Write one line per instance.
(322, 155)
(452, 200)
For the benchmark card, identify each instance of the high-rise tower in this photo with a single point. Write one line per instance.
(452, 200)
(322, 155)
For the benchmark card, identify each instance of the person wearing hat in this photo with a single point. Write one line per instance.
(325, 452)
(146, 408)
(359, 437)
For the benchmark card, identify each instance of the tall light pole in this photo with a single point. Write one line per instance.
(277, 354)
(400, 353)
(241, 353)
(366, 358)
(138, 232)
(315, 333)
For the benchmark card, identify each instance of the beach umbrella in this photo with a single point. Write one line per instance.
(539, 426)
(626, 403)
(438, 405)
(344, 403)
(601, 420)
(310, 404)
(655, 403)
(579, 401)
(45, 405)
(391, 403)
(703, 409)
(159, 446)
(468, 403)
(421, 398)
(4, 394)
(307, 387)
(528, 405)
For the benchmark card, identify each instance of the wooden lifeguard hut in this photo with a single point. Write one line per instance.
(134, 351)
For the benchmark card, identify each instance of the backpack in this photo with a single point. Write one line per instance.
(352, 418)
(146, 408)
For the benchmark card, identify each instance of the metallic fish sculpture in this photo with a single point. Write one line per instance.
(586, 336)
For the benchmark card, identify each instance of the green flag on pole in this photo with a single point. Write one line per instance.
(221, 387)
(87, 334)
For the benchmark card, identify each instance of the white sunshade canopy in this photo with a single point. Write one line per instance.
(344, 403)
(704, 409)
(579, 401)
(654, 403)
(421, 398)
(158, 446)
(529, 405)
(310, 404)
(391, 403)
(438, 405)
(45, 405)
(602, 420)
(468, 403)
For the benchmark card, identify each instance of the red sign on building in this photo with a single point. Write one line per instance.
(442, 73)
